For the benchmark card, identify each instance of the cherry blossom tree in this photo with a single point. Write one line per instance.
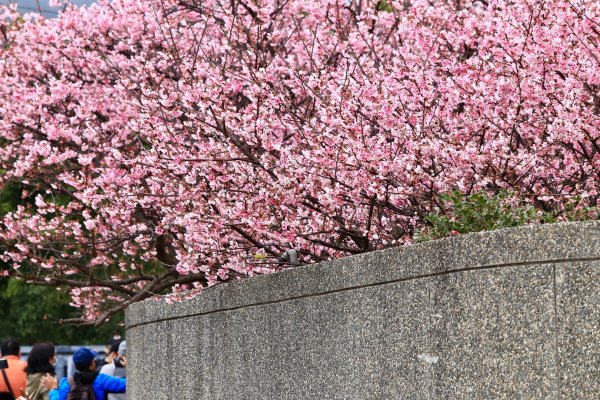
(162, 146)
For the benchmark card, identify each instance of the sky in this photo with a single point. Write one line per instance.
(31, 5)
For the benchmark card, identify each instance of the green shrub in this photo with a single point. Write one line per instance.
(482, 211)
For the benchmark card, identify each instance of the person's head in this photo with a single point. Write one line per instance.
(10, 347)
(111, 346)
(42, 358)
(115, 338)
(122, 351)
(121, 359)
(84, 360)
(114, 348)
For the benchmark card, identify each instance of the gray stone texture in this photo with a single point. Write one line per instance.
(511, 314)
(578, 329)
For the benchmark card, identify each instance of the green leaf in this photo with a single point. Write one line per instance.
(384, 5)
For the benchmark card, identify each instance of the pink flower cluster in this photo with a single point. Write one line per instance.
(177, 143)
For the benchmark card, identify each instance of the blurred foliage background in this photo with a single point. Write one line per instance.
(31, 314)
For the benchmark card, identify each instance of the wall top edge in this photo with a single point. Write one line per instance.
(532, 244)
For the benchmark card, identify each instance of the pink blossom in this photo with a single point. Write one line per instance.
(323, 126)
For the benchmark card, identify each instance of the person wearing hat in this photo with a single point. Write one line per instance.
(85, 363)
(117, 368)
(110, 350)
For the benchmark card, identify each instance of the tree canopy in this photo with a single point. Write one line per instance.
(165, 146)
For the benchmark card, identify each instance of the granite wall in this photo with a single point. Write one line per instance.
(511, 314)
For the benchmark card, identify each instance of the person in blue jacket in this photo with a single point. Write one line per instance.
(85, 363)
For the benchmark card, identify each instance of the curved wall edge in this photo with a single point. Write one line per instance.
(513, 313)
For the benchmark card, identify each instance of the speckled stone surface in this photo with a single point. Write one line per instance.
(512, 314)
(578, 334)
(493, 332)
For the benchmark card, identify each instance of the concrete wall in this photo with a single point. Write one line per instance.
(511, 314)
